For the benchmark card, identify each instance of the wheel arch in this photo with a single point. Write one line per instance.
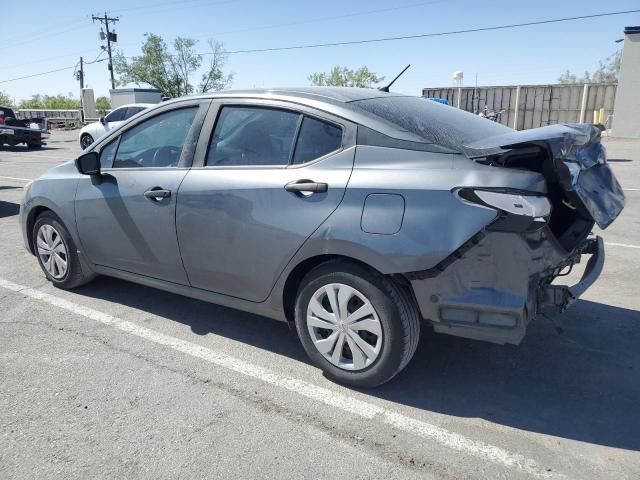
(32, 216)
(297, 274)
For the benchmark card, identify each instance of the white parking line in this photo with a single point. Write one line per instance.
(631, 189)
(625, 245)
(16, 178)
(344, 402)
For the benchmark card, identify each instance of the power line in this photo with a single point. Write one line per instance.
(388, 39)
(42, 36)
(426, 35)
(38, 74)
(180, 4)
(323, 19)
(304, 21)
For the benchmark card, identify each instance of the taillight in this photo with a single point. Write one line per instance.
(1, 119)
(517, 211)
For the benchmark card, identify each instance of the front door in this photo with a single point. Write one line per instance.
(271, 177)
(127, 221)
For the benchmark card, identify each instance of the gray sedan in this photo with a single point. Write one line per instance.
(354, 214)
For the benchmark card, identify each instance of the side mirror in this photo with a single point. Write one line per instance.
(88, 163)
(102, 120)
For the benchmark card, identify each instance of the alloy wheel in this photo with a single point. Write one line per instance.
(52, 251)
(344, 326)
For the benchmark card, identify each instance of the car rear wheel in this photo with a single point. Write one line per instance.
(359, 327)
(57, 253)
(85, 140)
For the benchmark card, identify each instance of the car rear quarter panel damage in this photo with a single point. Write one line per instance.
(435, 222)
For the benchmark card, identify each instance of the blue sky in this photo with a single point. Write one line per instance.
(62, 31)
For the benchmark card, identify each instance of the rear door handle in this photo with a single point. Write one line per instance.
(157, 193)
(306, 186)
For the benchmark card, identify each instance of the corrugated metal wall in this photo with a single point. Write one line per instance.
(536, 105)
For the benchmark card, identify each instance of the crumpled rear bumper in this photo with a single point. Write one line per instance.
(563, 296)
(494, 287)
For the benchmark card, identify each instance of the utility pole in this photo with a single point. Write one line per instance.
(81, 78)
(79, 74)
(110, 37)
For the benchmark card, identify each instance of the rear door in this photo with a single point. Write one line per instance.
(269, 174)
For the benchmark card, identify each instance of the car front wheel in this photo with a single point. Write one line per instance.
(57, 253)
(359, 327)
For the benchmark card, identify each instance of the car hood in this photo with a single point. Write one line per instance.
(579, 164)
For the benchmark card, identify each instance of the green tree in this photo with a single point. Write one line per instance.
(171, 71)
(345, 77)
(607, 72)
(103, 104)
(5, 99)
(51, 102)
(214, 78)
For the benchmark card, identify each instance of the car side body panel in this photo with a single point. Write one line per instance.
(426, 181)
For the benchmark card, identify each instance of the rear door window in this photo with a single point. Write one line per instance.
(252, 136)
(316, 139)
(131, 111)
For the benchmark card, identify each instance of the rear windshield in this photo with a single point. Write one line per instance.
(440, 124)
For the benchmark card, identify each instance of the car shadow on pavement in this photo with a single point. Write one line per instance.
(8, 209)
(582, 384)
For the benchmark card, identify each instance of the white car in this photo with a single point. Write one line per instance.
(95, 130)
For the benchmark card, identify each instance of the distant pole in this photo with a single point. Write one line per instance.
(110, 37)
(81, 73)
(81, 89)
(475, 95)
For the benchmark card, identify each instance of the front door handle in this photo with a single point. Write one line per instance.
(306, 186)
(157, 193)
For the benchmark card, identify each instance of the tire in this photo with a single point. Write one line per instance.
(48, 225)
(85, 140)
(35, 146)
(393, 314)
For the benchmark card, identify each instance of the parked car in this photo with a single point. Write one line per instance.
(14, 131)
(93, 131)
(351, 213)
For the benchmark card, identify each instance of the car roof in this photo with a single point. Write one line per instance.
(331, 94)
(333, 100)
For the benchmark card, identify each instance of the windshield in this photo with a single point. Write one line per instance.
(440, 124)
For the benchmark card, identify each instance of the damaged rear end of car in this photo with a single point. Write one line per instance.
(493, 285)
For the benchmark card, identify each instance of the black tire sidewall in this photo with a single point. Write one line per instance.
(86, 135)
(371, 286)
(72, 258)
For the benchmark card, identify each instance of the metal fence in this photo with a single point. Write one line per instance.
(531, 106)
(55, 118)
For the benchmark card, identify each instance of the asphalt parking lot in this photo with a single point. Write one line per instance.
(122, 381)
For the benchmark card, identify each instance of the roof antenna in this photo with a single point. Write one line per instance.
(386, 88)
